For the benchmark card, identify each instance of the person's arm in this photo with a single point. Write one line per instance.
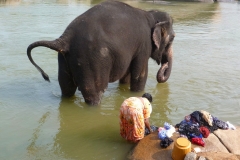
(147, 124)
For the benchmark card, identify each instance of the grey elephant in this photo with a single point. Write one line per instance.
(109, 42)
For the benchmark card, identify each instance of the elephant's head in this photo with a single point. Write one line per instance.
(162, 37)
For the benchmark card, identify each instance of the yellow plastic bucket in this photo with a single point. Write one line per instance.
(182, 146)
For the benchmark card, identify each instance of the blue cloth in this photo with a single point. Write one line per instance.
(195, 136)
(166, 126)
(162, 134)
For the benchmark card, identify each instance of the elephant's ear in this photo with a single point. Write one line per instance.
(158, 33)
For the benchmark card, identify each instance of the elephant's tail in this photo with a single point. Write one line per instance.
(57, 45)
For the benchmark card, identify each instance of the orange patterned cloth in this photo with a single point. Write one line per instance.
(133, 111)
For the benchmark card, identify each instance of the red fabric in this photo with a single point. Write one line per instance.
(205, 131)
(198, 141)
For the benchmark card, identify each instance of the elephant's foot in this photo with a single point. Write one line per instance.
(68, 90)
(137, 86)
(136, 89)
(93, 99)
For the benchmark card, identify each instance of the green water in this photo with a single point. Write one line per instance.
(36, 123)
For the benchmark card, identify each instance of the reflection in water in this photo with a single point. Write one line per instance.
(10, 2)
(16, 2)
(181, 11)
(85, 133)
(194, 13)
(33, 148)
(96, 1)
(161, 108)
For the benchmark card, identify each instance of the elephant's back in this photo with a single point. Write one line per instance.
(110, 15)
(110, 23)
(105, 33)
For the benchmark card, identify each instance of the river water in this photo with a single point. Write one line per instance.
(36, 123)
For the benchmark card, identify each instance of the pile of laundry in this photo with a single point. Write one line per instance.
(164, 133)
(199, 125)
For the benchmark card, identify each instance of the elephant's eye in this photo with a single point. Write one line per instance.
(171, 38)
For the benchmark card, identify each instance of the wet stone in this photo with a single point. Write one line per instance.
(191, 156)
(220, 145)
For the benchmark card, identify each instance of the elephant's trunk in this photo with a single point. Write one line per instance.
(166, 66)
(56, 45)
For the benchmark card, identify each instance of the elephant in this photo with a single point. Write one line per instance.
(111, 41)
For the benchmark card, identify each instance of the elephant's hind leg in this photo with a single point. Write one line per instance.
(65, 78)
(93, 89)
(126, 78)
(92, 98)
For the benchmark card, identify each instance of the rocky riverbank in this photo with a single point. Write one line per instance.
(219, 145)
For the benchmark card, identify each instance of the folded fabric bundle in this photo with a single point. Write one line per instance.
(166, 131)
(205, 131)
(166, 142)
(230, 126)
(219, 123)
(162, 134)
(189, 130)
(187, 118)
(196, 117)
(192, 135)
(198, 141)
(167, 125)
(170, 131)
(160, 128)
(207, 117)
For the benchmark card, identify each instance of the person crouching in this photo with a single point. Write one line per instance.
(134, 117)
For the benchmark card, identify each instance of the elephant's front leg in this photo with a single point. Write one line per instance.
(92, 97)
(139, 73)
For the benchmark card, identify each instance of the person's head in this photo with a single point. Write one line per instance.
(148, 96)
